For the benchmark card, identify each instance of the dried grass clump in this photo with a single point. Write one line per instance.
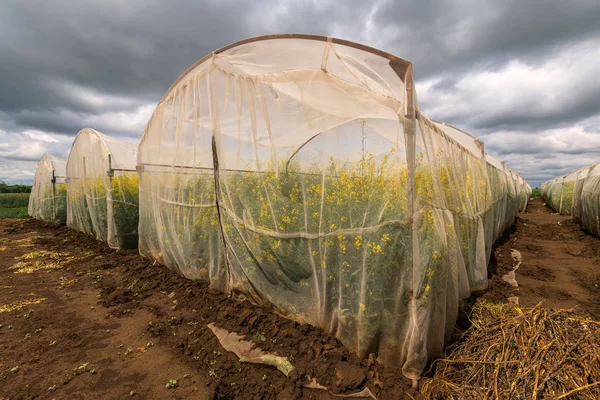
(511, 353)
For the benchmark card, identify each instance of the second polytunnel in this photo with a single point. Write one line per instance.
(103, 188)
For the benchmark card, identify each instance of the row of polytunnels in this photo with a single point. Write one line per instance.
(577, 194)
(298, 172)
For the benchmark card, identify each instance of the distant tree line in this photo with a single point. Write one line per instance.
(6, 188)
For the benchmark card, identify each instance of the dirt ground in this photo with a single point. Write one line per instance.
(560, 263)
(81, 321)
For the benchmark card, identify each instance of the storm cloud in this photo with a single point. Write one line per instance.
(522, 76)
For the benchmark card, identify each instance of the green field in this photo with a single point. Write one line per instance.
(14, 205)
(536, 192)
(14, 212)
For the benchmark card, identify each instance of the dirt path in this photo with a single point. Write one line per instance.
(560, 263)
(56, 341)
(81, 321)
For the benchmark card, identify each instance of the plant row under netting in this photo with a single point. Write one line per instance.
(96, 190)
(103, 188)
(577, 194)
(298, 172)
(48, 198)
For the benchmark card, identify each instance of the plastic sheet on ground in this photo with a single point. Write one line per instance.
(298, 171)
(246, 352)
(365, 393)
(103, 188)
(510, 277)
(48, 199)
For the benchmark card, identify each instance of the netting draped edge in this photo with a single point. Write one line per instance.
(48, 198)
(577, 194)
(103, 188)
(299, 172)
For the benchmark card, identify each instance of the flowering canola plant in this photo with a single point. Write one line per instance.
(89, 206)
(333, 244)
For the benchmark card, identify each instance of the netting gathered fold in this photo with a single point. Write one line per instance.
(577, 194)
(299, 172)
(48, 199)
(103, 188)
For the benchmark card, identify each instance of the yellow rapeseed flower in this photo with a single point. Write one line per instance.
(358, 241)
(386, 238)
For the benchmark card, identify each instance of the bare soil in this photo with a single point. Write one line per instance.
(560, 263)
(81, 321)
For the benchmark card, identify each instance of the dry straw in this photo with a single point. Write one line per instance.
(511, 353)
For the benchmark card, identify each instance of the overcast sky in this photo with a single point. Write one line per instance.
(523, 76)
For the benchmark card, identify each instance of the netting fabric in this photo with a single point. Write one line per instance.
(48, 199)
(298, 172)
(577, 194)
(103, 188)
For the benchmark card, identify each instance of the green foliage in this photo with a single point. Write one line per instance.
(14, 205)
(61, 203)
(536, 192)
(259, 337)
(125, 194)
(50, 203)
(10, 200)
(91, 211)
(354, 273)
(331, 245)
(567, 197)
(5, 188)
(14, 212)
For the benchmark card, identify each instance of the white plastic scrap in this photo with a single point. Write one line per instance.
(233, 342)
(510, 277)
(365, 393)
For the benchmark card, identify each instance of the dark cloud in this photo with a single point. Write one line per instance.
(59, 57)
(573, 106)
(105, 63)
(445, 37)
(135, 49)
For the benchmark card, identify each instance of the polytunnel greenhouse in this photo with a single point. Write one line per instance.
(103, 188)
(48, 198)
(577, 194)
(298, 171)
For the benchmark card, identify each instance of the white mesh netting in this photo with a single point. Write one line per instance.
(577, 194)
(299, 172)
(103, 189)
(48, 199)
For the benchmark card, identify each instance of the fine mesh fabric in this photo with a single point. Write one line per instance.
(577, 194)
(48, 199)
(103, 188)
(298, 172)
